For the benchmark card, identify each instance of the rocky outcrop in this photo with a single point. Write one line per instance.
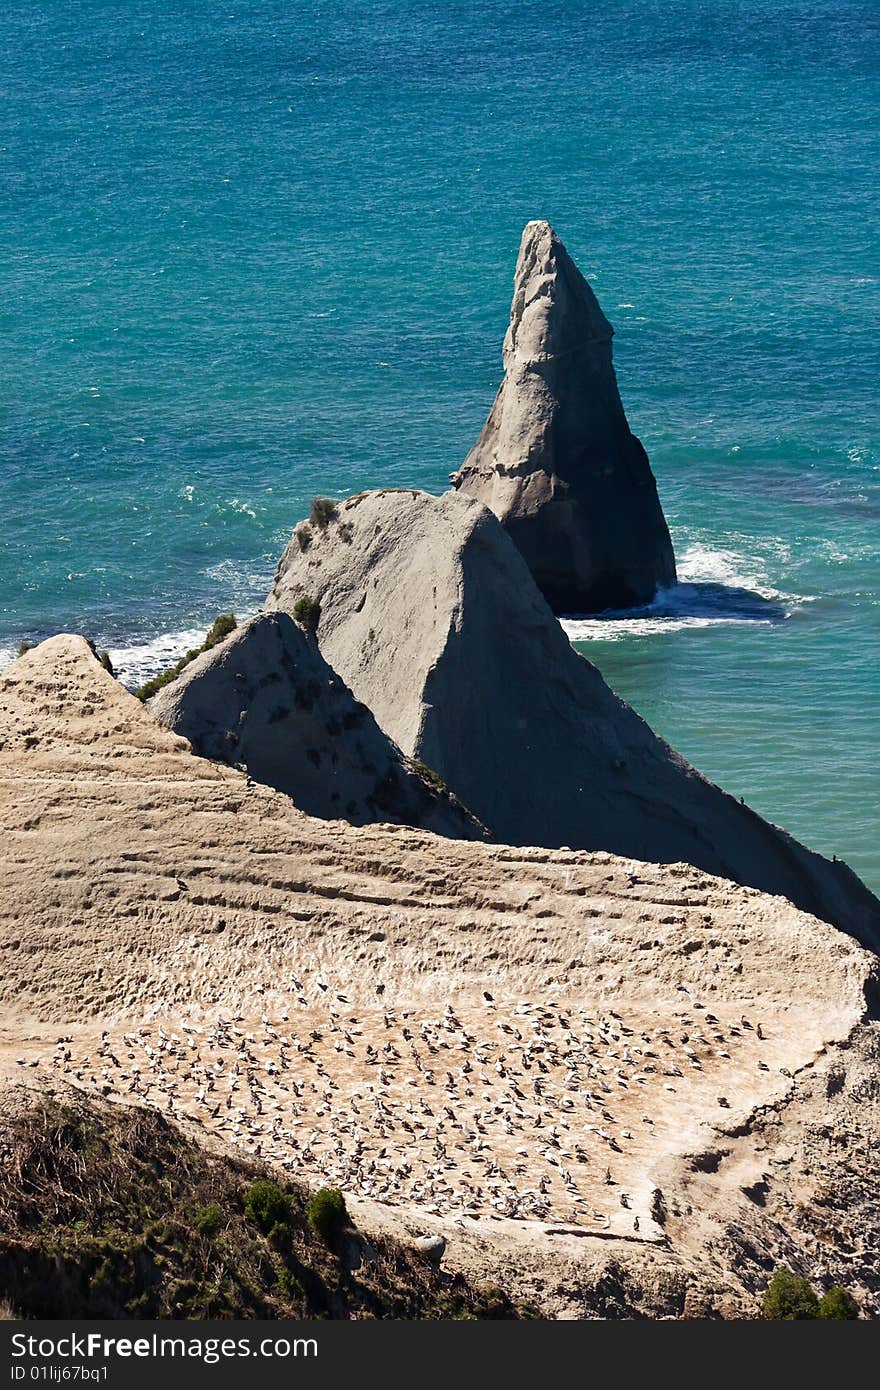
(556, 461)
(429, 613)
(266, 700)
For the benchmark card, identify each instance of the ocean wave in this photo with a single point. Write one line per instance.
(716, 587)
(618, 626)
(235, 504)
(240, 580)
(141, 661)
(704, 564)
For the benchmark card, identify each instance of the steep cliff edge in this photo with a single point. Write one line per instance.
(556, 460)
(429, 612)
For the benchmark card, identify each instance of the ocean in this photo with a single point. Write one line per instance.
(258, 251)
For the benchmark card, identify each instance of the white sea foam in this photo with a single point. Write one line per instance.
(142, 660)
(240, 581)
(616, 627)
(235, 504)
(716, 588)
(703, 564)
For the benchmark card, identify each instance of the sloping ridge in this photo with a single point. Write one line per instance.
(430, 614)
(265, 699)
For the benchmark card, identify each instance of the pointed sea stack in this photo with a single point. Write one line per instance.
(556, 461)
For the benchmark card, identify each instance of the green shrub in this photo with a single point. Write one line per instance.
(429, 775)
(324, 510)
(839, 1304)
(220, 629)
(789, 1298)
(25, 647)
(289, 1285)
(327, 1213)
(268, 1205)
(303, 535)
(103, 657)
(307, 611)
(208, 1220)
(279, 1236)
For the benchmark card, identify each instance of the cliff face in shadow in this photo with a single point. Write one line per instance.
(266, 700)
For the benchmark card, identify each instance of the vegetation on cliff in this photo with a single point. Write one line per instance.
(791, 1298)
(222, 626)
(107, 1211)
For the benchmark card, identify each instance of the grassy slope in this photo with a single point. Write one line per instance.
(99, 1214)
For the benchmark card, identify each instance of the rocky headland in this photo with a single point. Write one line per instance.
(386, 893)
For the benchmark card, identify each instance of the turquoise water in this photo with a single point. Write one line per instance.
(258, 251)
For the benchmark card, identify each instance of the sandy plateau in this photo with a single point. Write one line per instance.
(619, 1087)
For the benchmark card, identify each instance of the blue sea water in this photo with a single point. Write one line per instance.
(257, 251)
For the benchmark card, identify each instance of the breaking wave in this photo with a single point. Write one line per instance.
(715, 588)
(142, 660)
(137, 662)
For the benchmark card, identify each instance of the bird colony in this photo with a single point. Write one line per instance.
(533, 1112)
